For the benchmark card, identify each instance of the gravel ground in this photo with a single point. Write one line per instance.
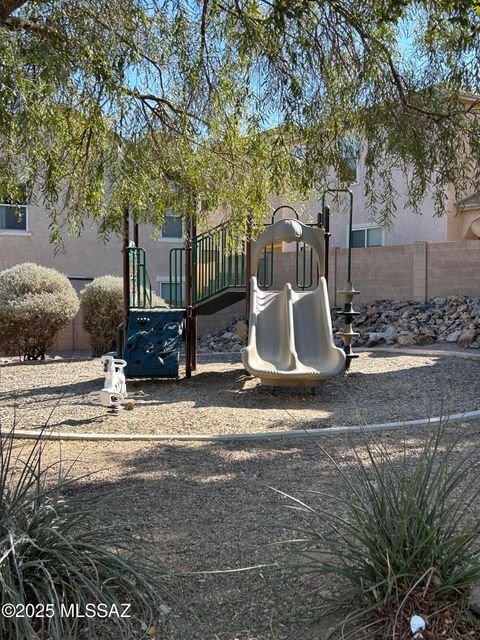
(207, 507)
(221, 398)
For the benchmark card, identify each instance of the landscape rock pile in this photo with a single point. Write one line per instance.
(454, 320)
(233, 338)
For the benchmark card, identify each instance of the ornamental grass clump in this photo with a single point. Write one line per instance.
(403, 536)
(35, 304)
(61, 571)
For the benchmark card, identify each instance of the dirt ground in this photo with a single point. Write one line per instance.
(222, 398)
(207, 507)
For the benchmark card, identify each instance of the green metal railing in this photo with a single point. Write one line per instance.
(176, 269)
(217, 267)
(265, 268)
(140, 286)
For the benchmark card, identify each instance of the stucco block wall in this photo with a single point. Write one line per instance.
(409, 272)
(454, 268)
(73, 337)
(377, 272)
(394, 276)
(402, 272)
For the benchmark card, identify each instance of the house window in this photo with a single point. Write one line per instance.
(172, 293)
(13, 217)
(368, 237)
(173, 227)
(79, 282)
(350, 153)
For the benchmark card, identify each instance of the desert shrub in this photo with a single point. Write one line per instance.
(35, 304)
(53, 550)
(403, 535)
(101, 302)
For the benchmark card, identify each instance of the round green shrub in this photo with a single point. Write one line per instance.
(101, 303)
(35, 304)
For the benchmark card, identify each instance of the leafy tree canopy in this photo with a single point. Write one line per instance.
(187, 105)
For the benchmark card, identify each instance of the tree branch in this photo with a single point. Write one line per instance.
(7, 7)
(13, 23)
(163, 102)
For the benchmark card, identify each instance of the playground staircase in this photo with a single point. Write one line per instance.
(218, 271)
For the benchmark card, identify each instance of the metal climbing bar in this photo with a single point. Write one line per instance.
(139, 283)
(265, 268)
(301, 251)
(176, 262)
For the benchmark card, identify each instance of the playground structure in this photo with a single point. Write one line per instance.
(217, 270)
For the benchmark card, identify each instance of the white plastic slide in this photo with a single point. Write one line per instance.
(290, 340)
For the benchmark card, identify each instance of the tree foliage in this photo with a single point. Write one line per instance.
(186, 106)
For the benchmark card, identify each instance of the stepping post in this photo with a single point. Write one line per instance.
(347, 333)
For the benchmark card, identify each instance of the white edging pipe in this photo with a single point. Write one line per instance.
(29, 434)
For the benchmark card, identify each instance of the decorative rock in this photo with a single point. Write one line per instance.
(406, 339)
(423, 339)
(375, 339)
(454, 336)
(474, 601)
(466, 338)
(390, 334)
(241, 329)
(424, 307)
(409, 323)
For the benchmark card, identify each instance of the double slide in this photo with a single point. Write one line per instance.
(290, 340)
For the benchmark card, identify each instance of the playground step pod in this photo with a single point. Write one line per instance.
(153, 343)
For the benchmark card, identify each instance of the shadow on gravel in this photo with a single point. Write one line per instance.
(209, 508)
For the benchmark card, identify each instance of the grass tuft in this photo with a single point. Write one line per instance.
(54, 550)
(402, 535)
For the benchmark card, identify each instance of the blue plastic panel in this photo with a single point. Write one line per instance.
(153, 343)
